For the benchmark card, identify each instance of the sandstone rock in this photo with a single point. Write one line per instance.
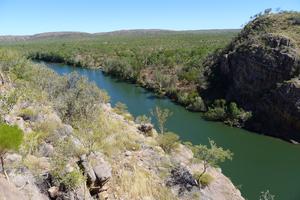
(53, 192)
(46, 150)
(102, 172)
(9, 191)
(12, 158)
(87, 168)
(256, 71)
(26, 183)
(182, 154)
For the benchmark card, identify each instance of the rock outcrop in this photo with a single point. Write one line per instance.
(260, 71)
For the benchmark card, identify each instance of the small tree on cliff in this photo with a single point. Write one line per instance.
(11, 138)
(211, 156)
(161, 116)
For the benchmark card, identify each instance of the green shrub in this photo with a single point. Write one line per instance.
(120, 108)
(210, 156)
(71, 180)
(161, 115)
(27, 114)
(203, 179)
(230, 113)
(62, 177)
(31, 142)
(215, 114)
(168, 141)
(11, 138)
(143, 119)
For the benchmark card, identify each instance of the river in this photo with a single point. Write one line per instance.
(260, 162)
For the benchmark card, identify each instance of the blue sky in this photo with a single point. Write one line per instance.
(19, 17)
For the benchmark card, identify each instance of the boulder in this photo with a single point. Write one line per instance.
(103, 172)
(46, 150)
(53, 192)
(87, 168)
(182, 154)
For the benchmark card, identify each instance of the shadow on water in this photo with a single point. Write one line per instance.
(260, 162)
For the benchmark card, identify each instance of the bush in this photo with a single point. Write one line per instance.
(143, 119)
(28, 114)
(31, 142)
(211, 156)
(120, 108)
(230, 113)
(11, 138)
(215, 114)
(72, 180)
(168, 141)
(197, 105)
(69, 180)
(203, 179)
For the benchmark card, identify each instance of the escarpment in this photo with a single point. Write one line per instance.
(260, 71)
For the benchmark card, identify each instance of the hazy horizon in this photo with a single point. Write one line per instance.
(120, 30)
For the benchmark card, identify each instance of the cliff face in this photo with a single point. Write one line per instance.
(260, 71)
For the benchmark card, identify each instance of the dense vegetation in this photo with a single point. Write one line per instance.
(167, 62)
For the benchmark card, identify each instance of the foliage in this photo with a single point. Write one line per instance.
(92, 132)
(230, 113)
(28, 114)
(266, 195)
(68, 180)
(172, 61)
(211, 156)
(11, 138)
(161, 115)
(143, 119)
(168, 141)
(31, 142)
(203, 179)
(120, 108)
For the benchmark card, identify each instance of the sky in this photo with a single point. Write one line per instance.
(25, 17)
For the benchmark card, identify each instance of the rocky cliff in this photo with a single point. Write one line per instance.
(260, 71)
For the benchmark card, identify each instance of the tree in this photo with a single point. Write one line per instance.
(266, 195)
(168, 141)
(161, 116)
(11, 138)
(120, 108)
(211, 156)
(143, 119)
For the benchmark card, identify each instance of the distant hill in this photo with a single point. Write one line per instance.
(68, 34)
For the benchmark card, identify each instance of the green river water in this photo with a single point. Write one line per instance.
(260, 163)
